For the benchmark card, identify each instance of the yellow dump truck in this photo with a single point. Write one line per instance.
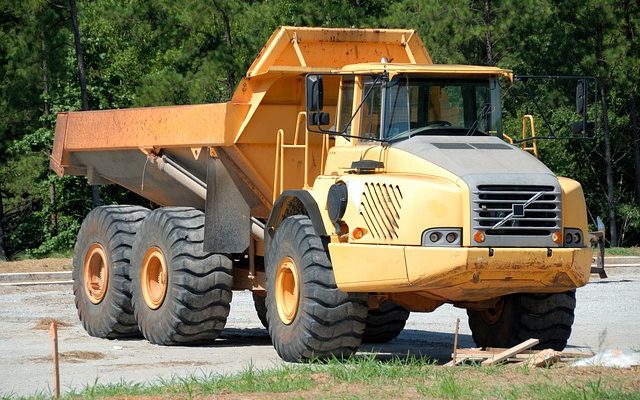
(348, 182)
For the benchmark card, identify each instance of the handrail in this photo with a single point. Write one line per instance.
(507, 138)
(278, 175)
(534, 143)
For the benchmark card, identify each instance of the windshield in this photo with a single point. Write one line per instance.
(412, 106)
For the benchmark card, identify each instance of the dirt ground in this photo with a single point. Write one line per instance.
(607, 316)
(42, 265)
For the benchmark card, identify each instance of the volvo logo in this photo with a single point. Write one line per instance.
(517, 210)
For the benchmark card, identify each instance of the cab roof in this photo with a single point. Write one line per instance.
(436, 70)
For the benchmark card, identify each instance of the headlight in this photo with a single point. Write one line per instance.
(441, 237)
(573, 237)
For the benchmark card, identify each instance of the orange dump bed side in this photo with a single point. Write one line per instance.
(159, 127)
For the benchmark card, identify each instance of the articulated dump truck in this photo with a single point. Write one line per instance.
(348, 182)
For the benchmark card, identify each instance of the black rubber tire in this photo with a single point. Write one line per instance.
(113, 227)
(198, 296)
(259, 302)
(329, 322)
(385, 323)
(547, 317)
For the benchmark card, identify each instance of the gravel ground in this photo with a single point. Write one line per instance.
(607, 316)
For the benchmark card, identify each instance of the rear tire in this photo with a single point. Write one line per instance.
(385, 323)
(546, 317)
(181, 294)
(261, 309)
(308, 316)
(101, 265)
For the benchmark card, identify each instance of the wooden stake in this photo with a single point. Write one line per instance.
(455, 342)
(454, 360)
(53, 331)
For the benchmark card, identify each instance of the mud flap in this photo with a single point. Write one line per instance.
(227, 220)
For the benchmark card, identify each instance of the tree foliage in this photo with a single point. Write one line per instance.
(160, 52)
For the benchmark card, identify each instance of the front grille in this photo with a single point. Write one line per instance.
(539, 217)
(380, 208)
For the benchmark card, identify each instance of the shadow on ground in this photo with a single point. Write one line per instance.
(436, 346)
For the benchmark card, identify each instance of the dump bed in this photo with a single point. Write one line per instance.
(114, 146)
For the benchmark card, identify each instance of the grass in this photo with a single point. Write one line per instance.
(622, 251)
(367, 377)
(54, 254)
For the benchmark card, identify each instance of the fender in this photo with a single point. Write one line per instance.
(294, 202)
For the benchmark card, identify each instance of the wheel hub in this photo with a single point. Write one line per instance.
(287, 290)
(96, 273)
(492, 315)
(154, 277)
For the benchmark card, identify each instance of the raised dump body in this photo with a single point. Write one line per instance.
(347, 183)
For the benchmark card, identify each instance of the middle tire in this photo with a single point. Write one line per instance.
(180, 294)
(308, 316)
(385, 323)
(261, 309)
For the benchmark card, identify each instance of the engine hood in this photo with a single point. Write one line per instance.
(475, 155)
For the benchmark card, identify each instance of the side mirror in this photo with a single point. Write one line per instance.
(581, 97)
(314, 92)
(319, 118)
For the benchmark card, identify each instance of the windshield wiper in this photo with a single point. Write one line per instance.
(481, 115)
(405, 135)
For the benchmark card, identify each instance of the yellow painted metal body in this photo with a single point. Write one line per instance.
(395, 262)
(458, 274)
(262, 131)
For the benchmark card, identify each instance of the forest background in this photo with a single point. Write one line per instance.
(130, 53)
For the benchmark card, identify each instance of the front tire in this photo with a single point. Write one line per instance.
(101, 283)
(308, 316)
(518, 317)
(181, 294)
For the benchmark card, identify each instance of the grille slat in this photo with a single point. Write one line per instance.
(508, 210)
(493, 203)
(516, 228)
(511, 201)
(380, 209)
(531, 193)
(497, 219)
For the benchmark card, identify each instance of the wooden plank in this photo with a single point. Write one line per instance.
(544, 358)
(541, 357)
(490, 352)
(527, 344)
(459, 360)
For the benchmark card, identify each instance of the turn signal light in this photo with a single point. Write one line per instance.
(556, 237)
(479, 236)
(358, 233)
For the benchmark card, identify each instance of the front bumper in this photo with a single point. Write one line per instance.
(458, 274)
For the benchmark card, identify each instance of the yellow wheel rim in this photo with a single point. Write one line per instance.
(287, 290)
(154, 278)
(96, 273)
